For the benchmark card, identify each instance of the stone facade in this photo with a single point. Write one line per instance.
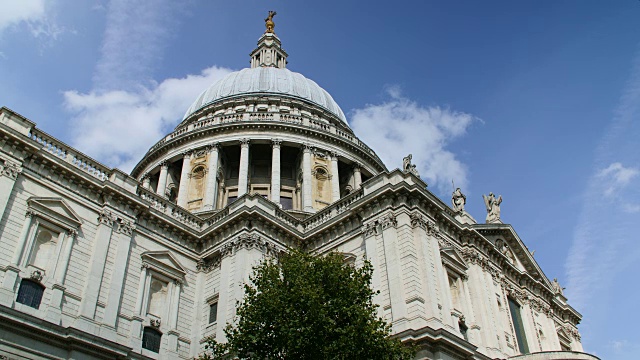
(99, 264)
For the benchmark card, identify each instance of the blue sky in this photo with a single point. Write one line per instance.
(535, 100)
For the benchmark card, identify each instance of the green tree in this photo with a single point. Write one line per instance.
(303, 306)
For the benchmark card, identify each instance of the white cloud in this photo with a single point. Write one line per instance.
(400, 126)
(119, 126)
(616, 177)
(15, 12)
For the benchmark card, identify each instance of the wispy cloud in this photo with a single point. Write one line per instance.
(119, 126)
(617, 177)
(603, 252)
(135, 36)
(37, 16)
(400, 126)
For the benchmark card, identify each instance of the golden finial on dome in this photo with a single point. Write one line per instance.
(268, 22)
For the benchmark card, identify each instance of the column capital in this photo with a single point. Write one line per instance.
(356, 166)
(307, 148)
(164, 164)
(186, 154)
(276, 143)
(213, 147)
(244, 142)
(333, 154)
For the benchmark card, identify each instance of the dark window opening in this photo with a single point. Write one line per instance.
(231, 199)
(286, 202)
(151, 339)
(516, 317)
(30, 293)
(213, 312)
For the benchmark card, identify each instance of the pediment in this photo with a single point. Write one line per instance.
(55, 209)
(165, 263)
(453, 261)
(515, 250)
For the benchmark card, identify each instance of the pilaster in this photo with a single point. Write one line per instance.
(9, 171)
(125, 229)
(106, 220)
(357, 176)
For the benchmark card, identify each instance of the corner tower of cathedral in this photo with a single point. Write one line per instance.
(100, 264)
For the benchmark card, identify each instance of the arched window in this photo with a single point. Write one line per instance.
(30, 293)
(151, 339)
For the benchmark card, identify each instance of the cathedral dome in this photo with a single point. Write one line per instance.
(267, 80)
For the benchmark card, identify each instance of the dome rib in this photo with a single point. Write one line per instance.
(267, 80)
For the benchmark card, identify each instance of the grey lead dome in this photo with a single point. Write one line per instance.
(267, 80)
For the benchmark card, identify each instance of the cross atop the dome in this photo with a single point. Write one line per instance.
(269, 52)
(268, 22)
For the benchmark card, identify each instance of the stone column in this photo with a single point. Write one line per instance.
(335, 178)
(63, 263)
(275, 170)
(212, 178)
(243, 173)
(307, 201)
(96, 265)
(125, 229)
(172, 343)
(162, 180)
(357, 177)
(146, 181)
(183, 188)
(388, 224)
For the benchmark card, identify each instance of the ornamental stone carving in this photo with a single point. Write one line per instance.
(388, 221)
(370, 229)
(106, 217)
(9, 168)
(155, 323)
(125, 227)
(408, 167)
(37, 275)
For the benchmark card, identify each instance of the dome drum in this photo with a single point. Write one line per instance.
(298, 176)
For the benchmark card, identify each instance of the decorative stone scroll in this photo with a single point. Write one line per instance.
(370, 229)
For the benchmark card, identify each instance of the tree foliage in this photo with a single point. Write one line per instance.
(303, 306)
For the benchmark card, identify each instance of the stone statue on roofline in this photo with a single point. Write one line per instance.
(408, 167)
(458, 200)
(556, 287)
(493, 208)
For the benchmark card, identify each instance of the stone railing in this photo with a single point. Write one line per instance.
(302, 120)
(168, 208)
(69, 155)
(332, 211)
(221, 214)
(556, 355)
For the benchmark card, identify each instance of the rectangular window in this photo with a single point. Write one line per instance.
(151, 339)
(30, 293)
(516, 317)
(231, 199)
(213, 312)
